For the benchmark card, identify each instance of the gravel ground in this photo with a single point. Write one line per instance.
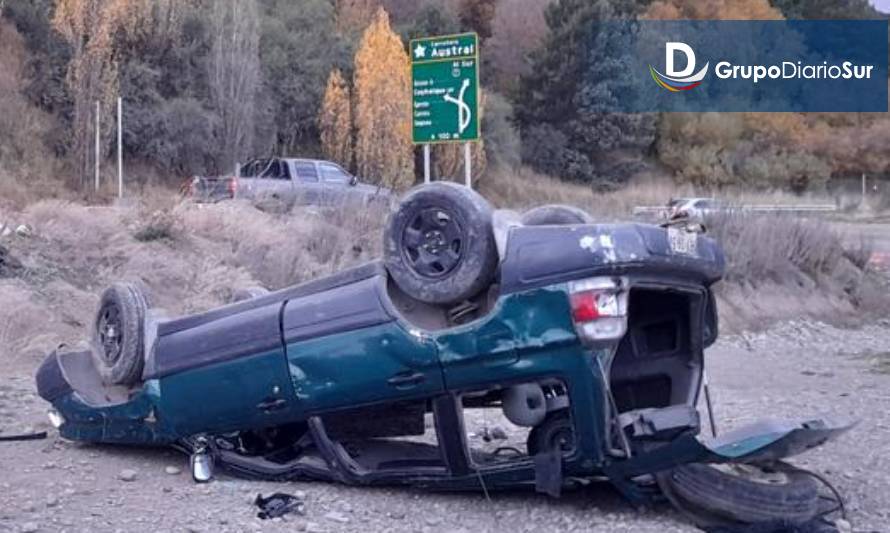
(793, 370)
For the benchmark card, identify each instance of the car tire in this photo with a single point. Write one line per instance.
(118, 334)
(439, 247)
(749, 494)
(556, 431)
(555, 215)
(247, 293)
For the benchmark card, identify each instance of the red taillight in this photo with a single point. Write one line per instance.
(584, 306)
(233, 186)
(599, 308)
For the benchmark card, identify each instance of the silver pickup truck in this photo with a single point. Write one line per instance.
(288, 182)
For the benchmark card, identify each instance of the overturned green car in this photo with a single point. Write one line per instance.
(590, 337)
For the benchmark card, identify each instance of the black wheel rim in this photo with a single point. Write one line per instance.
(433, 243)
(110, 332)
(562, 439)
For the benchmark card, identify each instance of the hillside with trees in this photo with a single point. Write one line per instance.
(206, 83)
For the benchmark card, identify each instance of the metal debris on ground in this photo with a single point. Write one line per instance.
(278, 504)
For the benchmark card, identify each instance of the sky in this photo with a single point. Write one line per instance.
(882, 5)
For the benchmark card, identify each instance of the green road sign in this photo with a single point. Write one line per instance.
(445, 88)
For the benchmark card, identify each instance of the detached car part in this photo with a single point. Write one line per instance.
(591, 336)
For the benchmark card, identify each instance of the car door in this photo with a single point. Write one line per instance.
(336, 183)
(308, 187)
(344, 349)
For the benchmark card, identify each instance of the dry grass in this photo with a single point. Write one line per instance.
(781, 266)
(190, 256)
(525, 188)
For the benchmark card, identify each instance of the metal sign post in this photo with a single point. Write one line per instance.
(426, 163)
(468, 161)
(445, 93)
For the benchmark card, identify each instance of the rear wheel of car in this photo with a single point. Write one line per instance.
(746, 493)
(247, 293)
(555, 215)
(556, 432)
(118, 333)
(439, 246)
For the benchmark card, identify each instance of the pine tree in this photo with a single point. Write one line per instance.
(478, 15)
(383, 150)
(565, 101)
(335, 120)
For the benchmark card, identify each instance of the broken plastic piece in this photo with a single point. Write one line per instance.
(278, 504)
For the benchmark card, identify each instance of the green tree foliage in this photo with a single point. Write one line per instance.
(298, 49)
(562, 100)
(826, 9)
(477, 15)
(431, 18)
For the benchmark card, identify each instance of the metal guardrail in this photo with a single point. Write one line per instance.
(759, 208)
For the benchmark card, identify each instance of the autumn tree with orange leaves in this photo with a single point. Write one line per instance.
(383, 150)
(335, 120)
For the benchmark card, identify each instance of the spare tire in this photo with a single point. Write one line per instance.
(555, 215)
(746, 493)
(439, 247)
(118, 334)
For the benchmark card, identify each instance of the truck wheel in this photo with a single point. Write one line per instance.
(439, 247)
(555, 215)
(118, 334)
(746, 493)
(555, 433)
(247, 293)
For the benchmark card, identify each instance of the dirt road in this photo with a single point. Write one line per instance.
(793, 370)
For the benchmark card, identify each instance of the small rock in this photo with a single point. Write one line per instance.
(29, 507)
(433, 521)
(29, 527)
(337, 517)
(52, 500)
(24, 230)
(312, 527)
(173, 470)
(843, 526)
(127, 475)
(498, 433)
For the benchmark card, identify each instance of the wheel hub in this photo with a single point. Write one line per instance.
(109, 330)
(433, 243)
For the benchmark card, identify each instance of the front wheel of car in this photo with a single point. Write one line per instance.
(746, 493)
(555, 433)
(439, 247)
(118, 331)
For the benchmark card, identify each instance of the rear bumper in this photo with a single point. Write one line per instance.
(538, 256)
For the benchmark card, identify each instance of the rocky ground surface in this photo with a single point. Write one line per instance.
(795, 369)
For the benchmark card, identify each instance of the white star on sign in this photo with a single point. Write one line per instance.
(420, 51)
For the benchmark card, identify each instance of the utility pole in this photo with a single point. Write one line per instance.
(97, 145)
(120, 148)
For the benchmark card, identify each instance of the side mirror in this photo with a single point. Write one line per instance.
(353, 181)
